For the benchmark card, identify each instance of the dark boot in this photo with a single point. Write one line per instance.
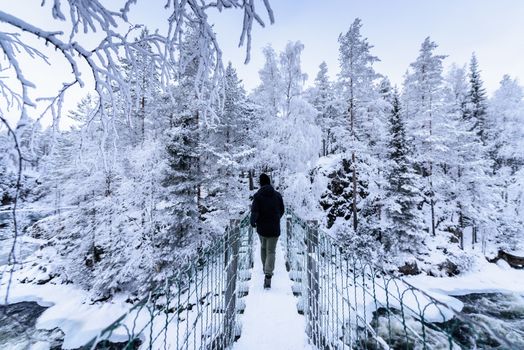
(267, 282)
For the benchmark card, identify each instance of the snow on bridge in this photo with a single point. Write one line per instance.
(270, 320)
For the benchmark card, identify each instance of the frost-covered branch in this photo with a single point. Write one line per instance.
(102, 63)
(104, 60)
(11, 261)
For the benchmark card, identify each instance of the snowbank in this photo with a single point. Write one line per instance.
(484, 277)
(68, 309)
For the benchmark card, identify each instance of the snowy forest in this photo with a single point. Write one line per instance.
(411, 173)
(422, 178)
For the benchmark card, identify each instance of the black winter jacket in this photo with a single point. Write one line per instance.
(266, 210)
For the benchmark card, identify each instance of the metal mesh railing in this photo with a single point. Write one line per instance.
(195, 309)
(350, 303)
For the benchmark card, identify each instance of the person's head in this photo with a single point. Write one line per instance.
(264, 180)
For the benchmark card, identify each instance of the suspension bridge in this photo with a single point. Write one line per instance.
(322, 297)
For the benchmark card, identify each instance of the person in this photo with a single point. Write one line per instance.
(266, 210)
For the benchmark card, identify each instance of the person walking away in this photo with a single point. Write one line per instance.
(266, 210)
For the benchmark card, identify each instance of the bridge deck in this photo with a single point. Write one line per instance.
(271, 320)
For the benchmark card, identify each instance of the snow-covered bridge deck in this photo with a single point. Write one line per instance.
(271, 320)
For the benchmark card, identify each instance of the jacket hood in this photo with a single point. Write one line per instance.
(266, 190)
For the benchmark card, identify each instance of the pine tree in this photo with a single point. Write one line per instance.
(356, 80)
(232, 150)
(423, 106)
(472, 169)
(403, 231)
(323, 99)
(183, 178)
(476, 109)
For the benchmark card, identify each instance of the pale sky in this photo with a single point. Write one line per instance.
(493, 29)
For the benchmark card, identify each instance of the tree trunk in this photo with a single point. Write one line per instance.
(432, 200)
(461, 227)
(143, 119)
(251, 182)
(355, 221)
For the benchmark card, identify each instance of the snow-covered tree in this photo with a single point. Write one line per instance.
(270, 92)
(322, 97)
(142, 74)
(232, 151)
(184, 179)
(476, 106)
(288, 139)
(423, 105)
(292, 77)
(506, 115)
(404, 225)
(353, 133)
(505, 135)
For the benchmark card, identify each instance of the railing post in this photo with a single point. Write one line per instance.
(289, 235)
(251, 182)
(312, 281)
(232, 246)
(250, 246)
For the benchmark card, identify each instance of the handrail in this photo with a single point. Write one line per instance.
(350, 302)
(197, 306)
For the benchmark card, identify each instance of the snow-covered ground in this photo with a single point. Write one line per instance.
(67, 309)
(271, 320)
(484, 277)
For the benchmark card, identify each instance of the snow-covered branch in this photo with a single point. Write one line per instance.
(104, 60)
(108, 63)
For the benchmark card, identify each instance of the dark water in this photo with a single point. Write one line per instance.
(503, 314)
(17, 330)
(490, 321)
(17, 327)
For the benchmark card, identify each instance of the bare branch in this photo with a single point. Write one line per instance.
(11, 261)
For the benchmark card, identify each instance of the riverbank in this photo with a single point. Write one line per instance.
(483, 277)
(69, 309)
(66, 307)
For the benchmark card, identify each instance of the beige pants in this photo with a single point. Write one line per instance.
(268, 247)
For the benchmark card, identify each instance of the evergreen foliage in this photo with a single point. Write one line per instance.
(404, 227)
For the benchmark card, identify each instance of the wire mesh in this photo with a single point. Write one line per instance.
(196, 308)
(350, 303)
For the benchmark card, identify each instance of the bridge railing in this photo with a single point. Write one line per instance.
(350, 303)
(197, 307)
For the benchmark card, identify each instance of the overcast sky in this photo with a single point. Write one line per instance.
(494, 29)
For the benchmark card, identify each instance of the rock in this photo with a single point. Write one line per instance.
(44, 279)
(449, 268)
(409, 269)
